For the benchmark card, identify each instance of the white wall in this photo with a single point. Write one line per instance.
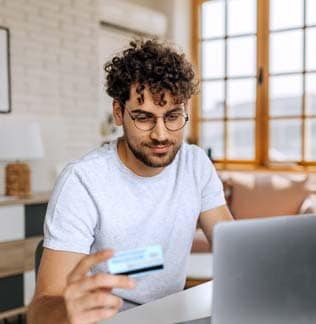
(53, 77)
(55, 73)
(180, 17)
(179, 14)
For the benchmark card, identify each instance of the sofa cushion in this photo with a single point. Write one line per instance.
(267, 194)
(308, 205)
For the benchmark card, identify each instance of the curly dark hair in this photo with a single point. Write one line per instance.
(153, 64)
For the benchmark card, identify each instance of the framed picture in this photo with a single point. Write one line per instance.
(5, 90)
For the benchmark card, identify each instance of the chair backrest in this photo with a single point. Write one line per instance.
(38, 256)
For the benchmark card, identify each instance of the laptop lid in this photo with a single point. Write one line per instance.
(265, 271)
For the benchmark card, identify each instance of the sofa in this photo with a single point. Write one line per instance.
(264, 194)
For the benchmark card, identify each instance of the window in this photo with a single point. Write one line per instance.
(257, 62)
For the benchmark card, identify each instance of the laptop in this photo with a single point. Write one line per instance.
(264, 272)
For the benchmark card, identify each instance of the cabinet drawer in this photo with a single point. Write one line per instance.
(12, 223)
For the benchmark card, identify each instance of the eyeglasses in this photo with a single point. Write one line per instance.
(173, 120)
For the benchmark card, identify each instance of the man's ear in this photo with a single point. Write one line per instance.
(117, 113)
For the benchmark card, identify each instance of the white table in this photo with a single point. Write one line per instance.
(200, 266)
(183, 306)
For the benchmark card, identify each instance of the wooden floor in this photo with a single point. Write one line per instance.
(194, 282)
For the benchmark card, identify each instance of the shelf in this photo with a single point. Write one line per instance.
(17, 256)
(36, 198)
(13, 312)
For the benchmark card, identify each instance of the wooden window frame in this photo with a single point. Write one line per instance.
(262, 118)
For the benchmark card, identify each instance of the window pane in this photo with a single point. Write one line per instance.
(212, 137)
(286, 95)
(242, 16)
(241, 98)
(213, 18)
(311, 49)
(311, 94)
(311, 12)
(310, 143)
(241, 140)
(285, 13)
(286, 52)
(213, 99)
(242, 56)
(285, 140)
(213, 59)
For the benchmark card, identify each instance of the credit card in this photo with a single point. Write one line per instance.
(137, 262)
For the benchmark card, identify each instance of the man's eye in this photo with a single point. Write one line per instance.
(143, 118)
(173, 117)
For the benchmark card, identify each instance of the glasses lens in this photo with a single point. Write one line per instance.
(145, 123)
(176, 122)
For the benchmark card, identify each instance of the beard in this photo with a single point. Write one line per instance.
(154, 160)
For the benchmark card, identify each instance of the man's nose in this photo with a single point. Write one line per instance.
(159, 132)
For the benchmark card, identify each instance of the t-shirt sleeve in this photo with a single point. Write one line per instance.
(71, 215)
(211, 186)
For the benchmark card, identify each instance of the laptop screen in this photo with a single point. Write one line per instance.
(264, 271)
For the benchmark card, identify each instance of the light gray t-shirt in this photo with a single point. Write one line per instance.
(99, 203)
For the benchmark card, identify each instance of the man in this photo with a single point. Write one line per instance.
(145, 188)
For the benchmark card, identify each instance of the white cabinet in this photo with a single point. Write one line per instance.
(29, 286)
(21, 228)
(12, 223)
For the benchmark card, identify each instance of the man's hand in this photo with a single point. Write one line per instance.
(89, 298)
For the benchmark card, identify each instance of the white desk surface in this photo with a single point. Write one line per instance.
(200, 266)
(183, 306)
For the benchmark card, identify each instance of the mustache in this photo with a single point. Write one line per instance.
(154, 143)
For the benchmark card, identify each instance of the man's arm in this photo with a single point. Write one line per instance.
(66, 294)
(209, 218)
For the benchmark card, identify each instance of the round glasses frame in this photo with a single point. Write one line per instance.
(155, 118)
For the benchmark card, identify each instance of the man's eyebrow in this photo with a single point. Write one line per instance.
(175, 109)
(140, 111)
